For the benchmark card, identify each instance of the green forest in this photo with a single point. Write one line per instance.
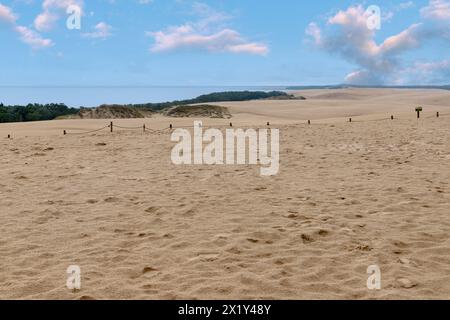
(34, 112)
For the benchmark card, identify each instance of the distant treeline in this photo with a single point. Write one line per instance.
(213, 97)
(34, 112)
(39, 112)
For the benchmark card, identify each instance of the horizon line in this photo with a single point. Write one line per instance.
(230, 86)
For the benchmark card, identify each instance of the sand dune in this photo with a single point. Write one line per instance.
(347, 196)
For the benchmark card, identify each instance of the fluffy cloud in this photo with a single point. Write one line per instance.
(437, 9)
(186, 36)
(32, 38)
(435, 72)
(7, 15)
(51, 12)
(346, 34)
(28, 36)
(200, 35)
(101, 31)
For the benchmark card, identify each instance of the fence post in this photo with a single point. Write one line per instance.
(111, 126)
(231, 124)
(268, 123)
(309, 121)
(64, 132)
(392, 117)
(9, 136)
(143, 127)
(350, 120)
(171, 126)
(418, 110)
(437, 114)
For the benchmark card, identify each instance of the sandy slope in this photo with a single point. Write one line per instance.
(347, 196)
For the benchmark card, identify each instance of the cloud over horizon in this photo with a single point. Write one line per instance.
(346, 34)
(201, 35)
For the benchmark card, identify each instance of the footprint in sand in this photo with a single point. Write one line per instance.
(407, 261)
(152, 209)
(206, 256)
(148, 269)
(261, 188)
(323, 233)
(406, 283)
(307, 238)
(234, 250)
(111, 200)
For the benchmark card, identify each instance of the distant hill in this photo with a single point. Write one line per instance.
(198, 111)
(114, 112)
(346, 86)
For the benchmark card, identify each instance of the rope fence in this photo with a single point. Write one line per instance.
(86, 132)
(146, 129)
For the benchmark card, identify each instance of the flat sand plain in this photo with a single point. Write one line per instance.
(348, 195)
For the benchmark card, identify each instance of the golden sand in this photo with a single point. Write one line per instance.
(347, 196)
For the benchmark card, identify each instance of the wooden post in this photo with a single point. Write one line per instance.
(309, 121)
(268, 123)
(350, 120)
(9, 136)
(111, 126)
(231, 124)
(437, 114)
(143, 127)
(171, 126)
(392, 117)
(64, 132)
(418, 110)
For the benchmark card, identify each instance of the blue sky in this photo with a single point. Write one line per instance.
(223, 42)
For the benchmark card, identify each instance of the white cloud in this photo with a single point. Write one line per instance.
(52, 11)
(33, 38)
(251, 48)
(346, 34)
(207, 33)
(27, 35)
(314, 31)
(101, 31)
(7, 15)
(434, 72)
(405, 5)
(437, 9)
(186, 36)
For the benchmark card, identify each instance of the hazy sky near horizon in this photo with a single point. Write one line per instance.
(224, 42)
